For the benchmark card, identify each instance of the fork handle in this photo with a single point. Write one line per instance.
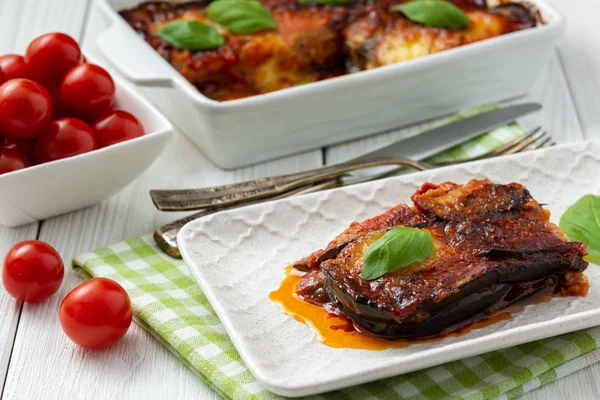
(177, 200)
(166, 236)
(241, 193)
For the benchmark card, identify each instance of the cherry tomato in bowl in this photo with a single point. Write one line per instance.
(25, 109)
(58, 108)
(64, 137)
(47, 190)
(96, 314)
(32, 271)
(49, 57)
(14, 67)
(12, 160)
(87, 91)
(24, 147)
(116, 126)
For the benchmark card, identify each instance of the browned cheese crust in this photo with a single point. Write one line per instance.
(312, 42)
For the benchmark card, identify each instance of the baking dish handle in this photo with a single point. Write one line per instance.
(133, 58)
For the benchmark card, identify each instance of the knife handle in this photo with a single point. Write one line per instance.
(219, 197)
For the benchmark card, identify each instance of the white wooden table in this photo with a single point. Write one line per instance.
(38, 361)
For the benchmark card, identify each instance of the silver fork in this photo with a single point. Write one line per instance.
(218, 197)
(166, 236)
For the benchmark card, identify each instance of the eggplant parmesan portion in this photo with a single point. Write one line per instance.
(494, 248)
(312, 42)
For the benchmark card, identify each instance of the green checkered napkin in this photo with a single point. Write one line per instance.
(169, 304)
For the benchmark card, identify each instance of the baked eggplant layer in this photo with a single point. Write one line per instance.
(313, 42)
(494, 248)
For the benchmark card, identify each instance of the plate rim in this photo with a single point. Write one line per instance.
(462, 349)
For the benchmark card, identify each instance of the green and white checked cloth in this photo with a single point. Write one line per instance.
(168, 303)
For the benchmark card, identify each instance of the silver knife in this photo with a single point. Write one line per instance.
(444, 137)
(416, 147)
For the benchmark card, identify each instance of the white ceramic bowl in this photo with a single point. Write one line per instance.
(47, 190)
(253, 129)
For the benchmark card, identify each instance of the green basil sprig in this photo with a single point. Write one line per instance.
(581, 222)
(399, 247)
(323, 2)
(241, 16)
(436, 13)
(190, 34)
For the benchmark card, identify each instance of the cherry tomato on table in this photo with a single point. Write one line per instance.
(116, 126)
(33, 271)
(2, 78)
(49, 57)
(25, 109)
(96, 314)
(12, 160)
(13, 66)
(87, 90)
(64, 137)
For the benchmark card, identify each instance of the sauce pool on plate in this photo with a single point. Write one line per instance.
(337, 331)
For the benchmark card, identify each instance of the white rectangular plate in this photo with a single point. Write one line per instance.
(238, 258)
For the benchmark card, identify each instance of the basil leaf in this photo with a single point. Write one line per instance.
(436, 13)
(241, 16)
(323, 2)
(581, 222)
(190, 34)
(399, 247)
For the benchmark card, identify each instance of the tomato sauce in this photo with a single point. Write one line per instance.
(337, 331)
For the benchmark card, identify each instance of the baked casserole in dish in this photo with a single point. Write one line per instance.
(312, 42)
(243, 98)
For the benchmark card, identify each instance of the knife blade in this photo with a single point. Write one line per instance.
(417, 148)
(444, 137)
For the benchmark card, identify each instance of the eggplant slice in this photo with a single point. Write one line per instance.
(494, 248)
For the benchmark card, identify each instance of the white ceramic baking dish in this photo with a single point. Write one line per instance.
(240, 132)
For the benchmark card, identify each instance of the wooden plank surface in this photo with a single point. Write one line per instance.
(139, 366)
(581, 59)
(10, 308)
(21, 21)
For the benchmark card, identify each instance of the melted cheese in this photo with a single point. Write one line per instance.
(408, 41)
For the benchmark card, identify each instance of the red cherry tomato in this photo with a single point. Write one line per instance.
(22, 146)
(14, 66)
(49, 57)
(58, 108)
(25, 109)
(116, 126)
(96, 314)
(65, 137)
(12, 160)
(33, 271)
(2, 77)
(87, 90)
